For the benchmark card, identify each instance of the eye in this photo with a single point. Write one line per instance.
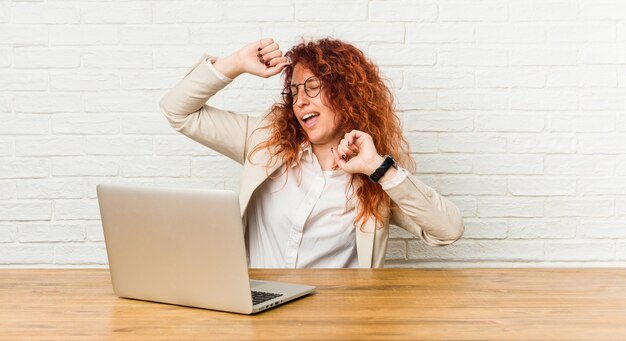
(313, 84)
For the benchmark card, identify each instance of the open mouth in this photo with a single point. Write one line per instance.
(309, 116)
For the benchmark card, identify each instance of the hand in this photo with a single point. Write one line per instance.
(261, 58)
(356, 153)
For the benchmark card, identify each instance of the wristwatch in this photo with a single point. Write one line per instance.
(384, 167)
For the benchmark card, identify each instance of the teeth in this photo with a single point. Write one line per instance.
(307, 116)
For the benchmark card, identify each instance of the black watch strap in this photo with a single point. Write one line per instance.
(384, 167)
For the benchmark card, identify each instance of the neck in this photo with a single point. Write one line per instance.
(324, 155)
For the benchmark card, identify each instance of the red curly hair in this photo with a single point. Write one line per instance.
(356, 92)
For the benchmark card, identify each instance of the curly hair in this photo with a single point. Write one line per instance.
(356, 92)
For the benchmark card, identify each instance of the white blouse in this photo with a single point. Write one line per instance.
(299, 220)
(302, 218)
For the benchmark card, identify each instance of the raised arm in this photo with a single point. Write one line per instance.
(185, 105)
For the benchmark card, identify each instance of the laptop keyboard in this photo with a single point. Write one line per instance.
(260, 296)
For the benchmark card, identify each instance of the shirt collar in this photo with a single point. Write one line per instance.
(305, 154)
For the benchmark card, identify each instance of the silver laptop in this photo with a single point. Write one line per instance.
(184, 247)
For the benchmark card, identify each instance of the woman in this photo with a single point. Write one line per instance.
(326, 170)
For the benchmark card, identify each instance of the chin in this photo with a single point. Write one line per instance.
(313, 139)
(317, 136)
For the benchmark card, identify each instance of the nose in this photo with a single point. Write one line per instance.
(301, 99)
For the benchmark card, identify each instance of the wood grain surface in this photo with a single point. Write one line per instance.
(363, 304)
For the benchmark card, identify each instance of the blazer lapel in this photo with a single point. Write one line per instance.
(253, 175)
(255, 170)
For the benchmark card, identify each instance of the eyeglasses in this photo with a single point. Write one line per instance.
(312, 86)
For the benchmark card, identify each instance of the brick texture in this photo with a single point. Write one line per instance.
(515, 110)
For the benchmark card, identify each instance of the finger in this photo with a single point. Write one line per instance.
(265, 42)
(354, 150)
(272, 55)
(265, 46)
(344, 151)
(268, 56)
(281, 66)
(344, 144)
(269, 48)
(349, 137)
(349, 149)
(353, 136)
(278, 61)
(358, 137)
(341, 152)
(274, 70)
(338, 160)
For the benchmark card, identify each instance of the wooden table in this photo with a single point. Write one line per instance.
(394, 304)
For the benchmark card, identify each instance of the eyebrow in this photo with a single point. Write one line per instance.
(306, 79)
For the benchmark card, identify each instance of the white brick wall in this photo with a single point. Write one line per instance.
(515, 110)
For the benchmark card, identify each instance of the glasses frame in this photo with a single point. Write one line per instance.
(291, 97)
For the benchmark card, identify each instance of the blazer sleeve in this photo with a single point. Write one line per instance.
(423, 212)
(185, 108)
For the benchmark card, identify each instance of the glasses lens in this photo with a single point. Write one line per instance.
(293, 90)
(312, 86)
